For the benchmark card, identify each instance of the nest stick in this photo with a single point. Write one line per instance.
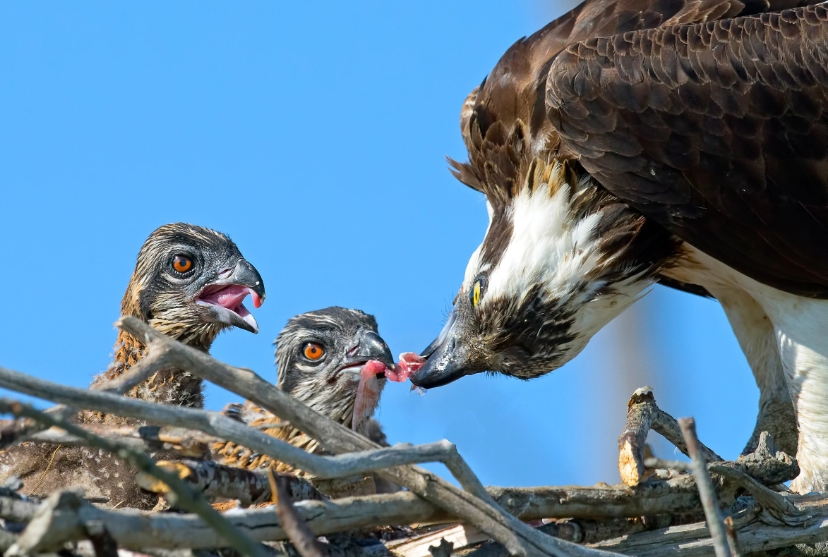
(706, 491)
(297, 531)
(186, 497)
(643, 415)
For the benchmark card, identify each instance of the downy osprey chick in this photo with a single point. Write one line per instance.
(189, 283)
(332, 360)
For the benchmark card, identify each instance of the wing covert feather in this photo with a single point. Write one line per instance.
(716, 130)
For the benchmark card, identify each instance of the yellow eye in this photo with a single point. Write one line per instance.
(182, 263)
(476, 293)
(313, 351)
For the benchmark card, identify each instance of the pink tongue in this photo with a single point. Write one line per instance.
(230, 297)
(410, 362)
(368, 391)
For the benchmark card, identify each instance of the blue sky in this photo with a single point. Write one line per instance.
(315, 135)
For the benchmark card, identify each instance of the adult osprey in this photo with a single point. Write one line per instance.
(626, 143)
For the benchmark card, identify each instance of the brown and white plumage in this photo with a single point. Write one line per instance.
(189, 283)
(348, 340)
(632, 142)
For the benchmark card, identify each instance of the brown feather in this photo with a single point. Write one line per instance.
(724, 134)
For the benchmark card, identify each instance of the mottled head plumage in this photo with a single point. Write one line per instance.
(188, 283)
(348, 338)
(179, 300)
(319, 360)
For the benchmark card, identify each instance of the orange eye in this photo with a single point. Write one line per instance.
(313, 351)
(182, 263)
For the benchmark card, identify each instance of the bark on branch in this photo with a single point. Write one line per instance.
(186, 497)
(644, 415)
(184, 442)
(216, 481)
(131, 529)
(698, 465)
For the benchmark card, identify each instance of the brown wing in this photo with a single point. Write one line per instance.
(503, 118)
(718, 131)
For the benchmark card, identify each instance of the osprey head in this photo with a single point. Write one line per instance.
(189, 282)
(323, 358)
(561, 258)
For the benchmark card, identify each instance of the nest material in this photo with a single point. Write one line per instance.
(702, 507)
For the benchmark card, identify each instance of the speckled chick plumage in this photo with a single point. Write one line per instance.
(169, 301)
(349, 338)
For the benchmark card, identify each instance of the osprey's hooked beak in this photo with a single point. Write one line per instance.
(225, 295)
(368, 346)
(446, 358)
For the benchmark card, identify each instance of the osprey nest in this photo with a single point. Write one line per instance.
(706, 507)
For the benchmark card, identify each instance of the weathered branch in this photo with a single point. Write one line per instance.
(297, 531)
(693, 540)
(186, 497)
(779, 506)
(17, 431)
(184, 442)
(643, 415)
(216, 481)
(632, 440)
(708, 494)
(220, 426)
(131, 529)
(767, 464)
(473, 506)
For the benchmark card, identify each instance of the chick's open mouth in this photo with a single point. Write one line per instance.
(226, 302)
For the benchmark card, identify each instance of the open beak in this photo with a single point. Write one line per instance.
(446, 358)
(368, 346)
(225, 296)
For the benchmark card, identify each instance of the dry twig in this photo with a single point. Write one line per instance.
(297, 531)
(186, 443)
(732, 538)
(644, 415)
(18, 431)
(708, 494)
(779, 506)
(186, 497)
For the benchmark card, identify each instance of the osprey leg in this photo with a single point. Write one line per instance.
(757, 339)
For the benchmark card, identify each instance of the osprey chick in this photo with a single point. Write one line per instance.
(631, 142)
(189, 283)
(334, 361)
